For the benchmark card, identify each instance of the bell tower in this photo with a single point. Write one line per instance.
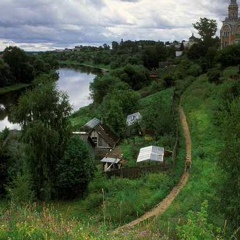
(233, 10)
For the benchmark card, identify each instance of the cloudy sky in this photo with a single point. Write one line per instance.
(50, 24)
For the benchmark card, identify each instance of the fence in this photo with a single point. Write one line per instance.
(137, 172)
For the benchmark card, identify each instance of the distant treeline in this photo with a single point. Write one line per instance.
(17, 66)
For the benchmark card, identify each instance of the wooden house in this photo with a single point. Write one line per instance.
(103, 138)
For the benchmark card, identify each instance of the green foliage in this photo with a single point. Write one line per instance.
(117, 105)
(229, 56)
(230, 163)
(136, 76)
(197, 226)
(207, 28)
(6, 77)
(43, 114)
(101, 86)
(18, 62)
(19, 191)
(214, 75)
(75, 170)
(157, 114)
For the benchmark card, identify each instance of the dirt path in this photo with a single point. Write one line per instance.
(162, 206)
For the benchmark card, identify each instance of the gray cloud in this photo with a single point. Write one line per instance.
(50, 23)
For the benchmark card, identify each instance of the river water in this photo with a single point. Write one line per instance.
(74, 82)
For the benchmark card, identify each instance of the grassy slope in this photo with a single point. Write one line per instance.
(198, 103)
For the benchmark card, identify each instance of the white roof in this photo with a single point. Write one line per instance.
(133, 118)
(110, 160)
(151, 153)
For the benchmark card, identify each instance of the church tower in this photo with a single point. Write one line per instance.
(233, 10)
(230, 31)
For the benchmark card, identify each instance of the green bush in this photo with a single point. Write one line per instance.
(75, 169)
(19, 191)
(214, 75)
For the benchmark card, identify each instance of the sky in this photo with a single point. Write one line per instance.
(41, 25)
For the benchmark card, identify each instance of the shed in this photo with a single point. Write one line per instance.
(151, 153)
(133, 118)
(110, 163)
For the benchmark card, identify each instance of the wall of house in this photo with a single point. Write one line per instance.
(100, 141)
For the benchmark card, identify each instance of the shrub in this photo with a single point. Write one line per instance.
(75, 169)
(214, 75)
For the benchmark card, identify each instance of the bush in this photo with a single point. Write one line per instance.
(19, 191)
(214, 75)
(75, 170)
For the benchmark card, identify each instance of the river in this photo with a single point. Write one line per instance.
(74, 82)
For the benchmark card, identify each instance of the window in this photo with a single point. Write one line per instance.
(95, 140)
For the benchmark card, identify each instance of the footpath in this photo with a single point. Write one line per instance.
(165, 203)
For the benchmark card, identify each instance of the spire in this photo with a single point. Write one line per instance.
(233, 10)
(233, 2)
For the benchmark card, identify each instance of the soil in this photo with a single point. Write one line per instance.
(165, 203)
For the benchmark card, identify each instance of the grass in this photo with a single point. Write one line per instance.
(113, 202)
(197, 102)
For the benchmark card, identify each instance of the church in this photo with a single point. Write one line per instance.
(230, 31)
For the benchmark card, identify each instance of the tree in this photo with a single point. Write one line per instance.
(101, 86)
(6, 77)
(18, 62)
(117, 105)
(229, 56)
(75, 169)
(207, 28)
(136, 76)
(43, 115)
(158, 117)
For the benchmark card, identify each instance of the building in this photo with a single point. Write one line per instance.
(102, 137)
(230, 31)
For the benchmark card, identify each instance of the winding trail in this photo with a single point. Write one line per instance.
(165, 203)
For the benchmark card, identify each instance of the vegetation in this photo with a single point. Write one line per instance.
(46, 163)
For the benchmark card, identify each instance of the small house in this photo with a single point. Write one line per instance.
(103, 138)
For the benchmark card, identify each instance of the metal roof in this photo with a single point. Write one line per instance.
(92, 123)
(151, 153)
(110, 160)
(133, 118)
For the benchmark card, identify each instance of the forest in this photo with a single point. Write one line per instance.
(51, 185)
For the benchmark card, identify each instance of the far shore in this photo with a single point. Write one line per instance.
(13, 88)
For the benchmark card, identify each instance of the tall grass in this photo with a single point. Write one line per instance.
(198, 102)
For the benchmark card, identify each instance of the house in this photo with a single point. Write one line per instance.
(103, 138)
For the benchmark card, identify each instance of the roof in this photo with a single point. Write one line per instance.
(92, 123)
(102, 129)
(110, 160)
(151, 153)
(133, 118)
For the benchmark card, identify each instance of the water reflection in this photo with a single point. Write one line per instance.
(74, 82)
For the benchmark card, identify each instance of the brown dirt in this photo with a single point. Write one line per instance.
(163, 205)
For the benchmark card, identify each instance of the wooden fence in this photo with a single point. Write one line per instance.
(137, 172)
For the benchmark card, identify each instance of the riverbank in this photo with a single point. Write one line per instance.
(13, 88)
(70, 64)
